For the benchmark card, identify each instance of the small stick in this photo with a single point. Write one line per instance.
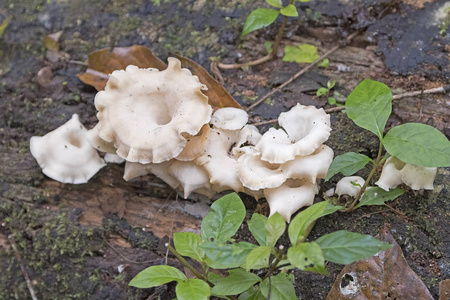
(301, 72)
(24, 272)
(247, 64)
(442, 89)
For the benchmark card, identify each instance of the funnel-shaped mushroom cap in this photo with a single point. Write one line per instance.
(98, 143)
(391, 175)
(229, 118)
(146, 113)
(310, 167)
(256, 174)
(350, 185)
(290, 197)
(65, 155)
(195, 145)
(306, 129)
(418, 177)
(161, 170)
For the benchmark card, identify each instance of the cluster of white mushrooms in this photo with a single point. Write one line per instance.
(160, 122)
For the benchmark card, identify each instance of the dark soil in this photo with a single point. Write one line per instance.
(88, 241)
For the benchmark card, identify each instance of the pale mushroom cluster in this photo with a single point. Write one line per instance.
(160, 122)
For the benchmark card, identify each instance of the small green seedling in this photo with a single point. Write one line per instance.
(326, 91)
(369, 106)
(255, 271)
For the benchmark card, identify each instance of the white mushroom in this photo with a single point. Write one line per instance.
(229, 118)
(350, 185)
(306, 129)
(310, 167)
(290, 197)
(396, 172)
(391, 175)
(195, 145)
(161, 170)
(191, 176)
(146, 113)
(65, 155)
(113, 158)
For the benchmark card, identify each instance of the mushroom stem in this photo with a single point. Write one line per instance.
(376, 164)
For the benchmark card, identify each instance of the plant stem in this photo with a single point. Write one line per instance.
(376, 164)
(275, 264)
(280, 34)
(194, 271)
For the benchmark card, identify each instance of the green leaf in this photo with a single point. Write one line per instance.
(331, 84)
(237, 282)
(369, 106)
(227, 255)
(188, 244)
(259, 18)
(289, 11)
(193, 289)
(378, 196)
(303, 0)
(268, 46)
(256, 225)
(307, 257)
(348, 164)
(322, 91)
(325, 63)
(224, 219)
(214, 277)
(258, 258)
(344, 247)
(252, 293)
(302, 53)
(156, 276)
(276, 3)
(275, 227)
(419, 144)
(282, 287)
(331, 100)
(301, 224)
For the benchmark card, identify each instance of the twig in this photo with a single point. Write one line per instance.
(442, 89)
(301, 72)
(24, 272)
(127, 259)
(247, 64)
(77, 62)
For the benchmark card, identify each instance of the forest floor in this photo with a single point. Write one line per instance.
(73, 239)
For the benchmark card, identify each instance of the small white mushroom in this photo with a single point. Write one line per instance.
(191, 176)
(391, 175)
(290, 197)
(306, 128)
(146, 114)
(65, 155)
(113, 158)
(350, 185)
(229, 118)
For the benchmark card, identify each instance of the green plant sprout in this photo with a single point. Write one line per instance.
(326, 91)
(369, 105)
(263, 17)
(215, 249)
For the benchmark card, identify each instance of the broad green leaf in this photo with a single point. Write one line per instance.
(259, 18)
(307, 257)
(237, 282)
(227, 255)
(252, 293)
(348, 164)
(282, 287)
(289, 11)
(322, 91)
(276, 3)
(378, 196)
(156, 276)
(301, 224)
(193, 289)
(188, 244)
(369, 106)
(275, 227)
(258, 258)
(302, 53)
(224, 219)
(419, 144)
(256, 225)
(344, 247)
(214, 278)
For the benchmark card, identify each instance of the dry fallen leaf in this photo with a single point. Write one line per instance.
(103, 62)
(383, 276)
(217, 94)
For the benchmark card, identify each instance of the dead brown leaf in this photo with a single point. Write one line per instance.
(104, 62)
(383, 276)
(217, 94)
